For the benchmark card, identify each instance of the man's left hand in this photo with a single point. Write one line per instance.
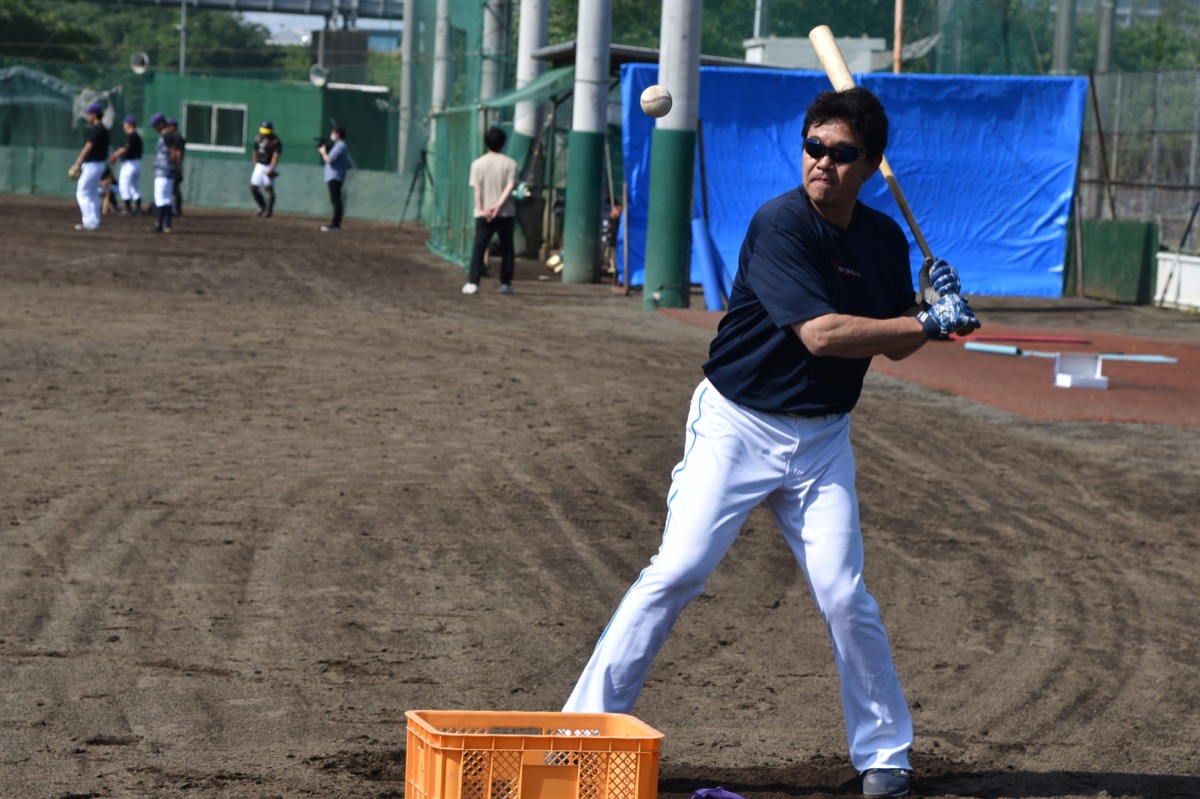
(941, 276)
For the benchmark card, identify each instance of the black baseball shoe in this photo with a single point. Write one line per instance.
(886, 783)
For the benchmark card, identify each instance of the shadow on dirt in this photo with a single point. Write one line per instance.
(816, 781)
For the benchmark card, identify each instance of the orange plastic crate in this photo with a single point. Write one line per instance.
(515, 755)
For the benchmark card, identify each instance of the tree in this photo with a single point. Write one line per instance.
(30, 34)
(107, 34)
(729, 23)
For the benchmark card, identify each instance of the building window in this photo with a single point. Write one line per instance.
(216, 127)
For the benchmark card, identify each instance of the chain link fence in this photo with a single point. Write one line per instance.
(1140, 154)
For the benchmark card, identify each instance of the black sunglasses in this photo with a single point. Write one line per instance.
(841, 154)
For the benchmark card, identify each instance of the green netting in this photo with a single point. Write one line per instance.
(976, 38)
(40, 108)
(450, 219)
(1140, 156)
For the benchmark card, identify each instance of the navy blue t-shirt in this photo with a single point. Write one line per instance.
(794, 266)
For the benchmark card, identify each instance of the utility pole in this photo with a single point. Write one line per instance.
(406, 82)
(182, 36)
(673, 159)
(532, 34)
(589, 127)
(761, 11)
(1104, 37)
(495, 29)
(1064, 37)
(441, 56)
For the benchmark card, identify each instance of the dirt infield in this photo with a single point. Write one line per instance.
(265, 489)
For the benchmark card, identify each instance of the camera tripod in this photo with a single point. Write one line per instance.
(420, 174)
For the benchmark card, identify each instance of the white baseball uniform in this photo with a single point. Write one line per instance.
(771, 423)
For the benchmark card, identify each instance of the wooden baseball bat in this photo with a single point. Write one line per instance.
(839, 75)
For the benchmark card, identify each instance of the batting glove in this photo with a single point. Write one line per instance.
(948, 315)
(941, 276)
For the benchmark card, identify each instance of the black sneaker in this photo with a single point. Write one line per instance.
(330, 229)
(886, 783)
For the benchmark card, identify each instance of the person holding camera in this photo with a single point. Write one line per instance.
(336, 156)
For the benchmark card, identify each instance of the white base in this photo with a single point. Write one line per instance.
(1078, 370)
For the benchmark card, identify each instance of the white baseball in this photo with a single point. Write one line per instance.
(656, 101)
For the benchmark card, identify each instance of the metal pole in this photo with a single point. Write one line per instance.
(532, 35)
(673, 158)
(1099, 154)
(760, 17)
(441, 56)
(1104, 37)
(1064, 37)
(585, 157)
(1112, 170)
(945, 12)
(1156, 144)
(495, 16)
(406, 81)
(182, 36)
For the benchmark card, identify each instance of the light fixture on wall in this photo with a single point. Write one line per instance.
(139, 63)
(318, 75)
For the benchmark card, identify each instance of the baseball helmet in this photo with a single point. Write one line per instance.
(266, 127)
(95, 108)
(172, 123)
(157, 119)
(131, 120)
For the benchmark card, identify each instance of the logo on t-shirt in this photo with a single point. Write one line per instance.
(842, 269)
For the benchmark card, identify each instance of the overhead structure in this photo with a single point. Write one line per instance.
(348, 9)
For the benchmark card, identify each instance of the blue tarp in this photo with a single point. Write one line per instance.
(987, 165)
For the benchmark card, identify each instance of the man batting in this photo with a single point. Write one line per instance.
(823, 285)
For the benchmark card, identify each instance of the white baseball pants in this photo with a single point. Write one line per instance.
(163, 189)
(261, 176)
(129, 180)
(87, 193)
(735, 458)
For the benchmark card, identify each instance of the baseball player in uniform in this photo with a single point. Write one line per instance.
(166, 161)
(267, 149)
(823, 285)
(91, 163)
(129, 175)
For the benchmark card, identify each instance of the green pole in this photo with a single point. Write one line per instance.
(581, 215)
(669, 219)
